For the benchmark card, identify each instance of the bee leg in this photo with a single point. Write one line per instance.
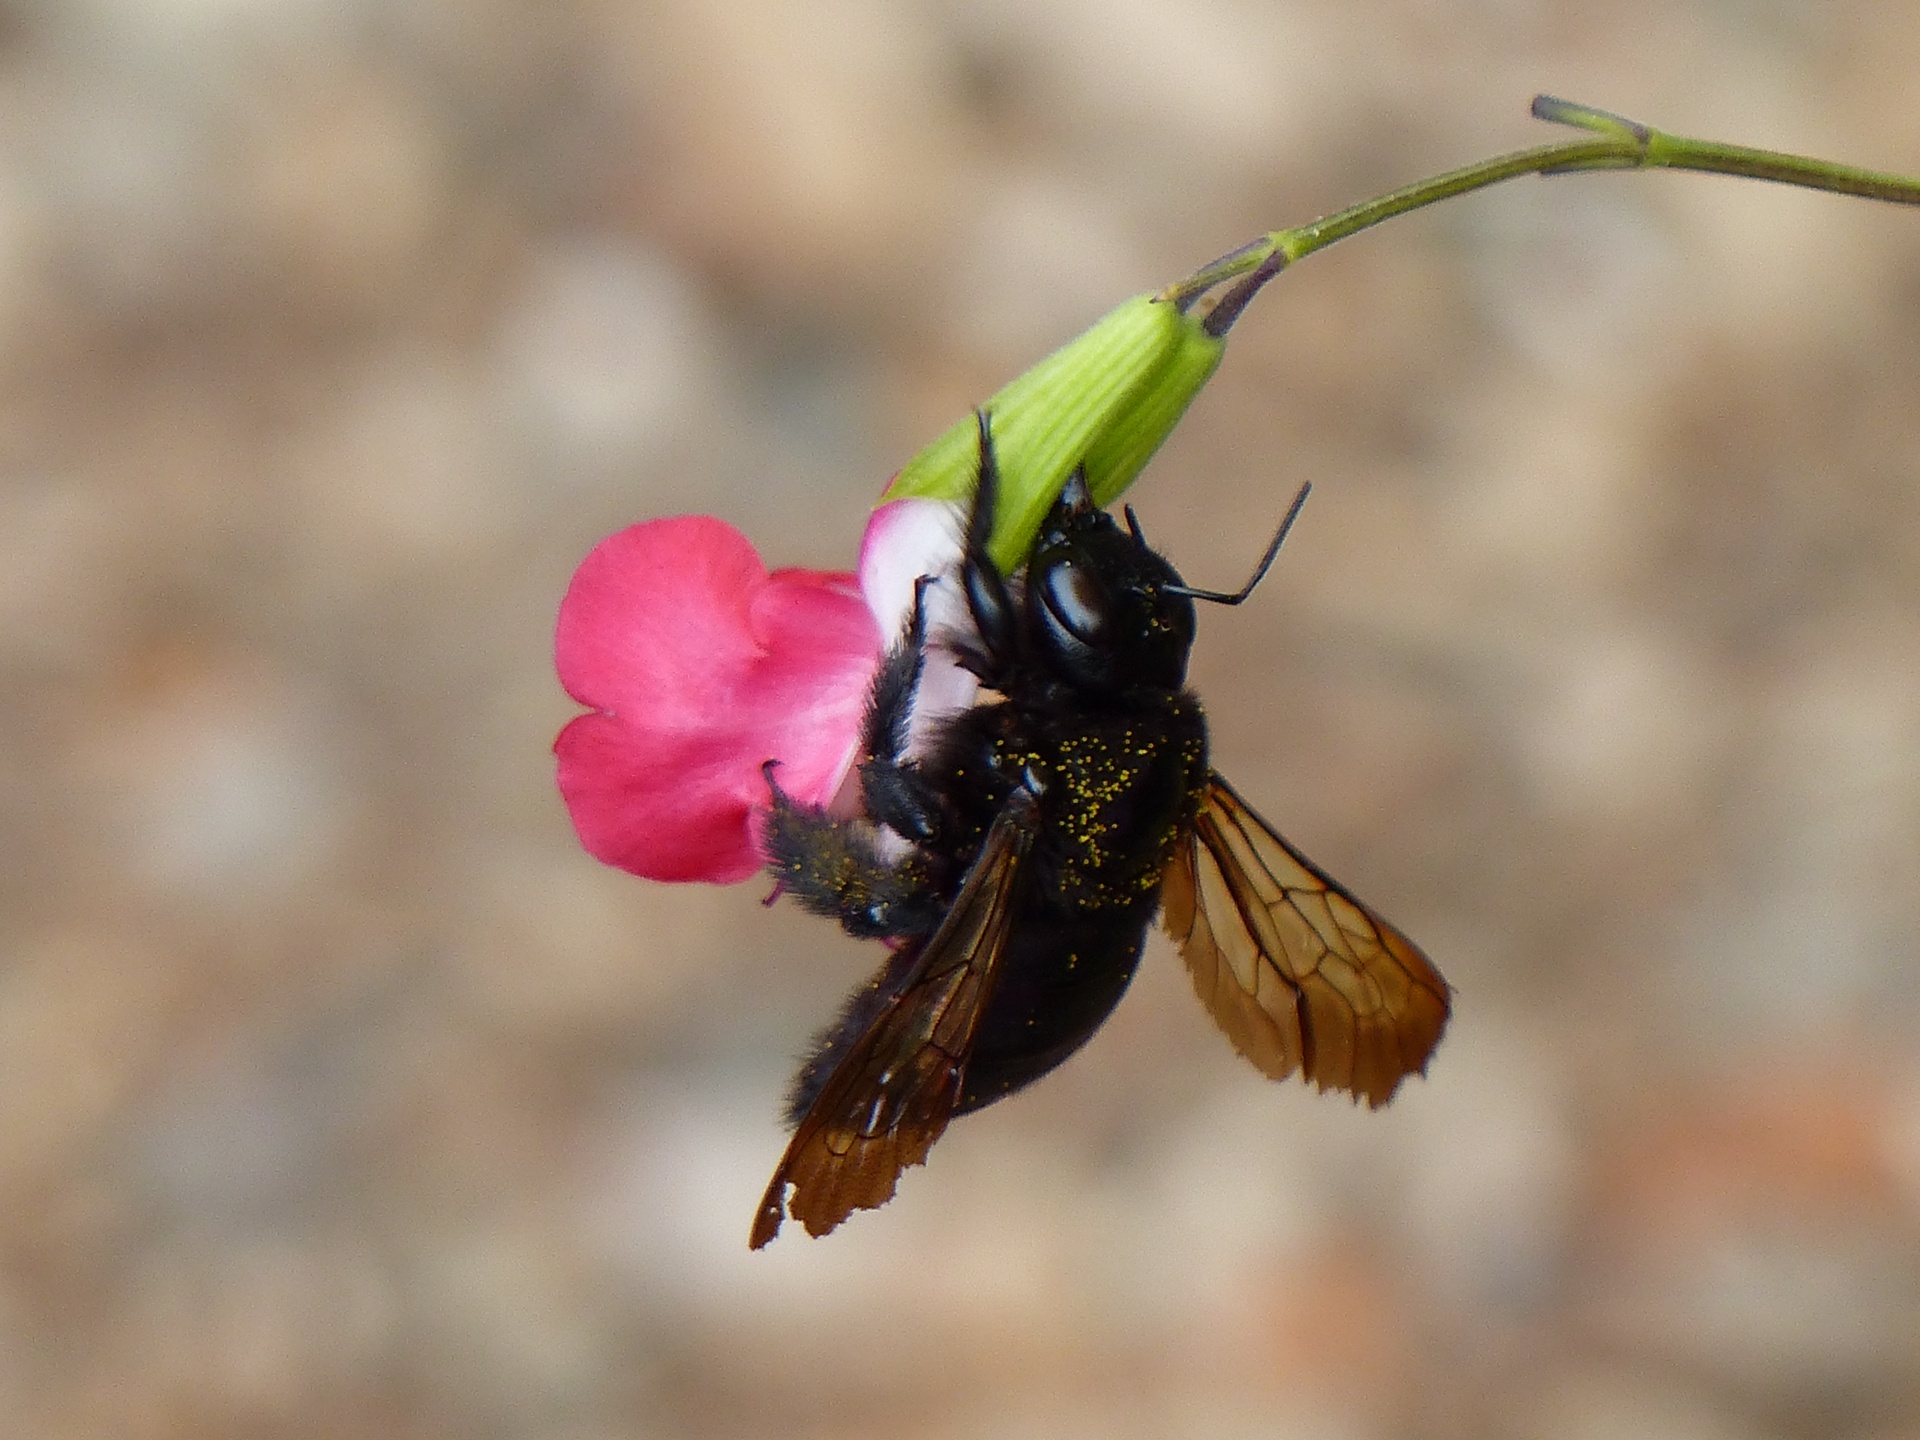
(895, 684)
(994, 616)
(835, 868)
(894, 791)
(897, 796)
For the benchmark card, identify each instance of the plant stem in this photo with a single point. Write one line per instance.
(1615, 143)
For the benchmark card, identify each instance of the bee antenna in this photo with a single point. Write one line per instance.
(1133, 524)
(1218, 597)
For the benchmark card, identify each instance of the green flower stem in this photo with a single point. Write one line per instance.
(1616, 143)
(1104, 402)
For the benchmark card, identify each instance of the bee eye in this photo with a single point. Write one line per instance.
(1076, 599)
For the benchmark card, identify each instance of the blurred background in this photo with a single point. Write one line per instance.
(344, 1095)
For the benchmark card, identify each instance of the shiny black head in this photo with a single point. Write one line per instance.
(1105, 612)
(1097, 610)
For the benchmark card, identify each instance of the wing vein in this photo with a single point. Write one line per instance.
(893, 1091)
(1363, 1008)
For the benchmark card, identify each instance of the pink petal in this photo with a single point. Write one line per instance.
(700, 667)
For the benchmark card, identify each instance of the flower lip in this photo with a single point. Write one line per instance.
(699, 666)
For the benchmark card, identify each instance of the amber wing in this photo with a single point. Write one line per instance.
(892, 1093)
(1300, 975)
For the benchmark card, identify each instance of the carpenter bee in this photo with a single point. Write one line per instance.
(1015, 862)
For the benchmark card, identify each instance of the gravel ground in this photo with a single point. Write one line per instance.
(344, 1095)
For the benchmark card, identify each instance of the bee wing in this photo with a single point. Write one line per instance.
(892, 1093)
(1299, 974)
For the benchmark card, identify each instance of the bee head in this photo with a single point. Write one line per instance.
(1108, 612)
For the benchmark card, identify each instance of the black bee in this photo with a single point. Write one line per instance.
(1034, 839)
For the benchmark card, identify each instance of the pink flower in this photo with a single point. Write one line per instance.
(700, 666)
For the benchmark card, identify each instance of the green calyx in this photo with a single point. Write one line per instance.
(1104, 401)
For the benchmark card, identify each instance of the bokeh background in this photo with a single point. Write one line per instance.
(343, 1095)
